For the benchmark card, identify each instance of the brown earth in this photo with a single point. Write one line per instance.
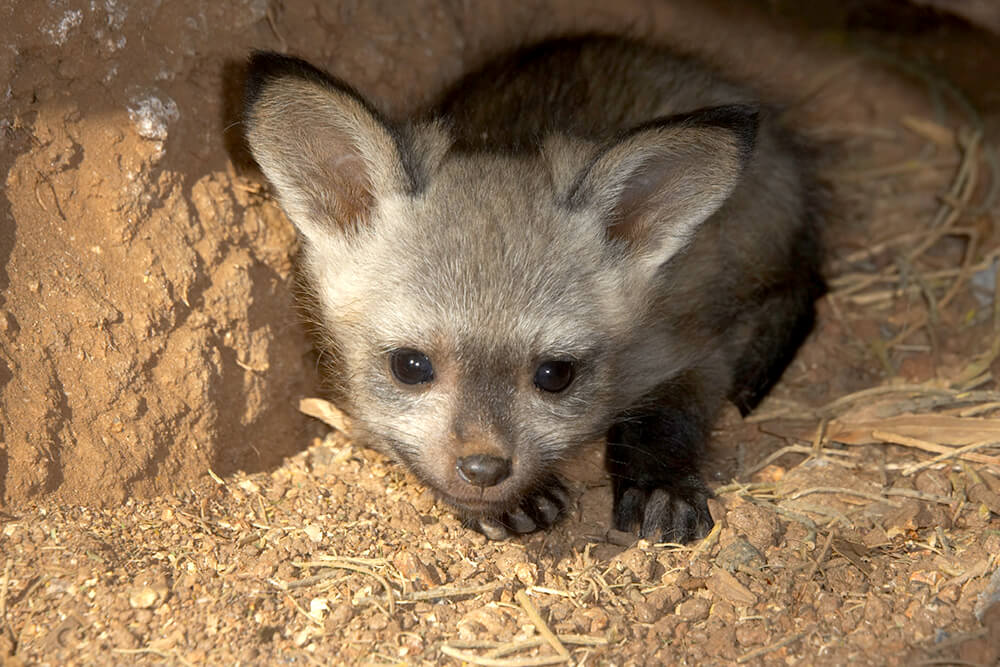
(148, 335)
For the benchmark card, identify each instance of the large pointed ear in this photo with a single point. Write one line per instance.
(327, 152)
(656, 185)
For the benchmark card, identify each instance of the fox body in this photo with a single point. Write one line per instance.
(587, 239)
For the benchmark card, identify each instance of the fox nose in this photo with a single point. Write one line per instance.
(483, 470)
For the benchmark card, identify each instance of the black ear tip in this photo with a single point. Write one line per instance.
(743, 120)
(265, 66)
(262, 66)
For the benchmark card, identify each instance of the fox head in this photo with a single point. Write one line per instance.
(490, 310)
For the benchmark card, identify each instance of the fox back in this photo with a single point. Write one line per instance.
(587, 239)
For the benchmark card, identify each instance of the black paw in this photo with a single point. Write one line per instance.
(676, 512)
(537, 511)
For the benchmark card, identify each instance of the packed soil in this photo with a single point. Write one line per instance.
(163, 500)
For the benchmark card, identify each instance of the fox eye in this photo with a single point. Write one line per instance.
(554, 375)
(411, 366)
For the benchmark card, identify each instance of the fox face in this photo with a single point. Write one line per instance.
(463, 335)
(492, 310)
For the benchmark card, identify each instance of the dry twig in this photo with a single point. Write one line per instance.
(955, 453)
(3, 589)
(474, 659)
(747, 657)
(907, 441)
(343, 564)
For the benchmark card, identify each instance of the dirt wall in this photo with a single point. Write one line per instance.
(147, 329)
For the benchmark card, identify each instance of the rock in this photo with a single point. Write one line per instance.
(415, 570)
(740, 556)
(693, 609)
(143, 597)
(728, 587)
(758, 525)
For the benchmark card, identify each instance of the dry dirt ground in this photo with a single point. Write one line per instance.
(162, 500)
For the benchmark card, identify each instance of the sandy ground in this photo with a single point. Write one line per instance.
(149, 335)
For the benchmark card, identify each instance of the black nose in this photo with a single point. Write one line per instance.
(482, 470)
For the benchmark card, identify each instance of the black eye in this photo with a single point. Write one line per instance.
(554, 375)
(411, 366)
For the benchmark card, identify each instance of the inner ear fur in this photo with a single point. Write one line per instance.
(656, 184)
(326, 150)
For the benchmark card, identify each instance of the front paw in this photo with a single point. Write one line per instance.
(539, 510)
(674, 512)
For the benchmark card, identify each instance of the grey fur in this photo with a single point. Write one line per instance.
(593, 200)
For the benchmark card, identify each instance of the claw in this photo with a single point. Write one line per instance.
(656, 515)
(519, 521)
(494, 530)
(548, 509)
(536, 511)
(628, 509)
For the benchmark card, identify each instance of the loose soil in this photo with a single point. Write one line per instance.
(163, 500)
